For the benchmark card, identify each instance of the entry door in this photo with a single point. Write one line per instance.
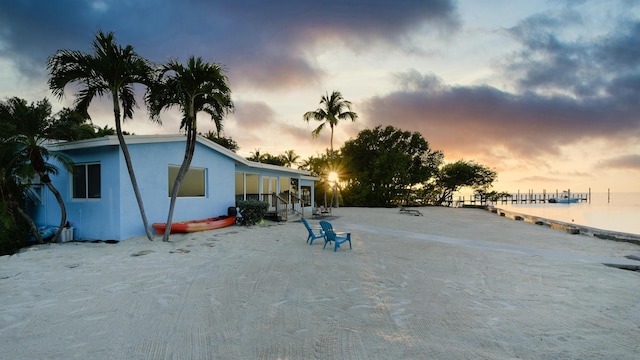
(269, 186)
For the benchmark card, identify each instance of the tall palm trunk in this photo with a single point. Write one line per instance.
(127, 159)
(38, 163)
(334, 192)
(186, 162)
(63, 209)
(331, 145)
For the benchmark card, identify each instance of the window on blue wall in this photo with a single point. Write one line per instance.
(193, 184)
(86, 181)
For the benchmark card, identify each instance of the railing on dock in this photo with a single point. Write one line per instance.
(517, 198)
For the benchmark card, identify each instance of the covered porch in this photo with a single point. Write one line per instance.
(288, 193)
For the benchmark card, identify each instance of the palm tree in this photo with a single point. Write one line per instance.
(12, 191)
(256, 156)
(335, 108)
(12, 185)
(223, 141)
(71, 125)
(290, 158)
(32, 125)
(106, 131)
(196, 87)
(110, 70)
(272, 159)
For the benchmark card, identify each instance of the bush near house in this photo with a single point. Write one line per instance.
(14, 232)
(252, 211)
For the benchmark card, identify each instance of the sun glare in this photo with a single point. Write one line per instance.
(333, 176)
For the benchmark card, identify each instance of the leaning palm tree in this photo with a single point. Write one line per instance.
(110, 70)
(32, 125)
(13, 172)
(196, 87)
(13, 190)
(334, 109)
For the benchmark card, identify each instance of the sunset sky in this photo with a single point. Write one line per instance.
(545, 92)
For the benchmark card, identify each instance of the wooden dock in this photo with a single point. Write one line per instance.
(529, 197)
(532, 197)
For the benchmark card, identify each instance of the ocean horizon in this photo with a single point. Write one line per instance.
(618, 212)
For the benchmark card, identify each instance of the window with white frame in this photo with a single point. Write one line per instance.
(86, 181)
(193, 184)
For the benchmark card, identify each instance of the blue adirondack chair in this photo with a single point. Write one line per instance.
(331, 235)
(312, 234)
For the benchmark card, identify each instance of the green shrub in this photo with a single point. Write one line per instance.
(14, 231)
(252, 211)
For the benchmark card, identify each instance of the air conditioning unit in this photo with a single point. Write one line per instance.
(66, 235)
(34, 180)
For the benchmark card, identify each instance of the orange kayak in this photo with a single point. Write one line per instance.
(195, 225)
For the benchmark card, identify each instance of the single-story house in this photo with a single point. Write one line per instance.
(101, 204)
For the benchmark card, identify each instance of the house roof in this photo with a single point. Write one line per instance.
(112, 140)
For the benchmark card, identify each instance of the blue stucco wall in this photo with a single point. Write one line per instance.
(151, 162)
(96, 218)
(91, 218)
(116, 214)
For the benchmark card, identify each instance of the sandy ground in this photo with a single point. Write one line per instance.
(452, 284)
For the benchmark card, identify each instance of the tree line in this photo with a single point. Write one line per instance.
(387, 166)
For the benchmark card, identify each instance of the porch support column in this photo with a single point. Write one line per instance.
(244, 186)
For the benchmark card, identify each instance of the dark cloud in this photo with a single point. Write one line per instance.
(262, 39)
(584, 67)
(569, 89)
(305, 20)
(31, 31)
(267, 40)
(482, 119)
(276, 71)
(620, 50)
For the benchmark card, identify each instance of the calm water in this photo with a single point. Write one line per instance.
(621, 213)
